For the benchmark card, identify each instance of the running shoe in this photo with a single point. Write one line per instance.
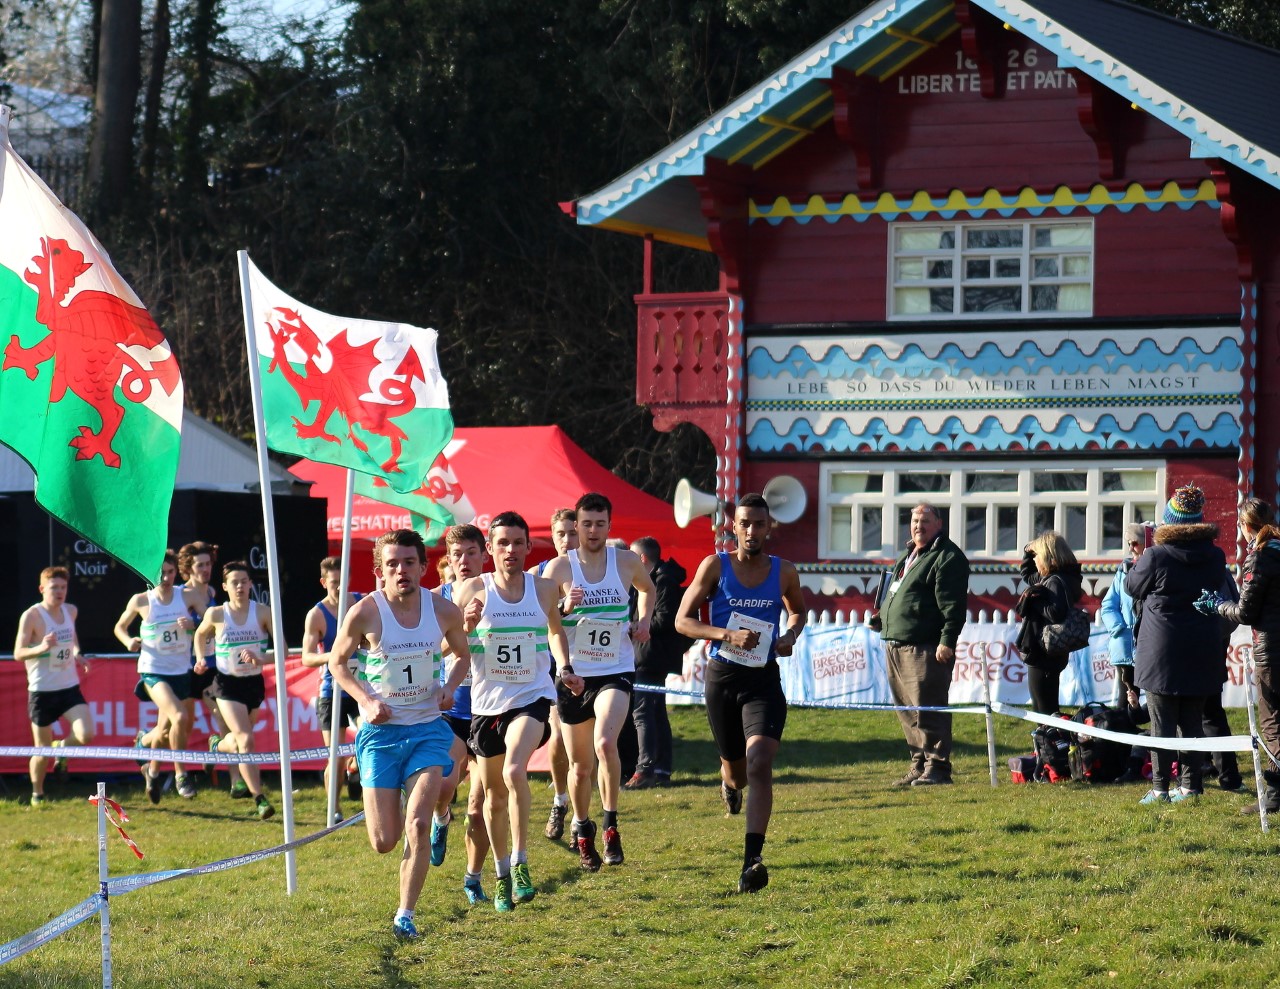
(354, 790)
(38, 800)
(403, 928)
(137, 744)
(263, 808)
(337, 818)
(1155, 797)
(588, 857)
(59, 766)
(155, 786)
(474, 891)
(612, 847)
(440, 840)
(555, 823)
(502, 900)
(754, 878)
(240, 790)
(524, 888)
(186, 789)
(732, 797)
(641, 781)
(1181, 796)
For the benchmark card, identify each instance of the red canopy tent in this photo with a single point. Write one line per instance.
(531, 469)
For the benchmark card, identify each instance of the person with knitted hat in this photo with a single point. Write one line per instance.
(1175, 641)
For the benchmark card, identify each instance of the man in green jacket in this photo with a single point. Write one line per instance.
(919, 621)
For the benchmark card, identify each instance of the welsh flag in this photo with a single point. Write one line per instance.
(353, 392)
(437, 504)
(90, 393)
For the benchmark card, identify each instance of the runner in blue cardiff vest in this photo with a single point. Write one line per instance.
(748, 590)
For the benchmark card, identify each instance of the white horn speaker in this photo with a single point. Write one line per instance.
(690, 503)
(786, 497)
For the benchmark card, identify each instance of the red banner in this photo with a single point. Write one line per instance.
(118, 714)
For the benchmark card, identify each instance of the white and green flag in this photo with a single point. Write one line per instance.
(358, 393)
(437, 504)
(90, 393)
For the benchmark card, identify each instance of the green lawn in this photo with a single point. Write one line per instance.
(1039, 885)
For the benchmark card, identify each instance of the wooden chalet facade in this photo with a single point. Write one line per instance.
(1016, 258)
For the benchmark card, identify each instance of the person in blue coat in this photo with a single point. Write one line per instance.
(1118, 613)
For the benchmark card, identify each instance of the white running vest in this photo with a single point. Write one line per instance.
(56, 669)
(166, 649)
(510, 657)
(601, 623)
(231, 638)
(403, 670)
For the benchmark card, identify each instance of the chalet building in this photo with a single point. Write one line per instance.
(1016, 258)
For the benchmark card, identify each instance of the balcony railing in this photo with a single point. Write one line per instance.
(681, 349)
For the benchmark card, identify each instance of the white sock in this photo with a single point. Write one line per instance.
(503, 866)
(442, 821)
(471, 877)
(560, 800)
(521, 855)
(406, 914)
(577, 823)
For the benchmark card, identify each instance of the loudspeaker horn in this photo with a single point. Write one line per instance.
(786, 497)
(690, 503)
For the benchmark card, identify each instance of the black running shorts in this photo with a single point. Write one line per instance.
(489, 731)
(47, 706)
(575, 710)
(743, 701)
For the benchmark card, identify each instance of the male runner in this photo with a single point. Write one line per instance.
(595, 581)
(164, 667)
(513, 623)
(47, 643)
(320, 628)
(465, 554)
(403, 742)
(241, 632)
(564, 537)
(748, 590)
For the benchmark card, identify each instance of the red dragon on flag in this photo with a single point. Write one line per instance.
(89, 340)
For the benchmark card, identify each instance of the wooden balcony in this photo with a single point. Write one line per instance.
(682, 355)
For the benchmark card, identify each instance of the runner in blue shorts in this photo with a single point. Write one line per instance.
(403, 743)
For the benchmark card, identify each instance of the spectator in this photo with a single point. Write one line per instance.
(920, 622)
(1175, 638)
(1259, 608)
(1053, 589)
(662, 654)
(1117, 606)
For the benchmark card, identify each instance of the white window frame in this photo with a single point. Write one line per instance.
(1136, 505)
(958, 254)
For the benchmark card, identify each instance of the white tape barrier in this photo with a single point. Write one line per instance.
(1221, 743)
(87, 908)
(120, 753)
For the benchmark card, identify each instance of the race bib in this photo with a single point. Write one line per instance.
(758, 656)
(60, 657)
(407, 677)
(168, 640)
(597, 641)
(242, 665)
(510, 657)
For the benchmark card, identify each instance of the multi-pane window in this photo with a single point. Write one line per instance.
(1014, 268)
(992, 510)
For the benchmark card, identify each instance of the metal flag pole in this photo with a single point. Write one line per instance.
(104, 911)
(273, 573)
(336, 728)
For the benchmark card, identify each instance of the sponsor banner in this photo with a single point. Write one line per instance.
(118, 715)
(844, 664)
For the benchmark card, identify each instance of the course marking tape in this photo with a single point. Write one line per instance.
(1224, 743)
(64, 922)
(121, 753)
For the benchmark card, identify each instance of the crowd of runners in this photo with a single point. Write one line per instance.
(466, 680)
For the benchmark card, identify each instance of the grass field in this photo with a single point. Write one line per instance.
(1049, 886)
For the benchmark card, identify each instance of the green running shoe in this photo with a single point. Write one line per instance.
(263, 808)
(240, 790)
(525, 890)
(502, 901)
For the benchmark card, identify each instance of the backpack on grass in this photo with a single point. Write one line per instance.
(1100, 760)
(1053, 754)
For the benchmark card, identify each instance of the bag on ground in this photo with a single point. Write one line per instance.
(1053, 758)
(1100, 760)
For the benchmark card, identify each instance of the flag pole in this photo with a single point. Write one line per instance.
(273, 573)
(336, 728)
